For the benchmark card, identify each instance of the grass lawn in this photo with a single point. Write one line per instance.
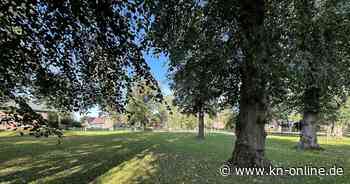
(125, 157)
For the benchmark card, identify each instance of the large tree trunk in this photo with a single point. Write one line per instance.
(249, 148)
(200, 124)
(311, 98)
(308, 134)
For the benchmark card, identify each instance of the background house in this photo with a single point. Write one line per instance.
(5, 124)
(99, 123)
(218, 125)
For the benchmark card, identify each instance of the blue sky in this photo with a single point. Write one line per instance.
(159, 69)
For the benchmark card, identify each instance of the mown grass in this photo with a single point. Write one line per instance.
(134, 157)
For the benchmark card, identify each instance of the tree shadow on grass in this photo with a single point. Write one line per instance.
(77, 160)
(144, 158)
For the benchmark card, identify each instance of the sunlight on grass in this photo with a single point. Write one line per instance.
(15, 161)
(21, 165)
(58, 175)
(139, 168)
(38, 141)
(321, 139)
(7, 133)
(93, 133)
(136, 157)
(12, 170)
(289, 138)
(334, 141)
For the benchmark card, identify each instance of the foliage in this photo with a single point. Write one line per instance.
(339, 116)
(177, 119)
(52, 118)
(66, 119)
(208, 37)
(79, 53)
(161, 114)
(320, 50)
(229, 118)
(72, 53)
(142, 105)
(344, 113)
(202, 53)
(83, 119)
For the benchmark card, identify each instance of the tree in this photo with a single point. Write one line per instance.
(83, 119)
(162, 114)
(68, 120)
(320, 63)
(193, 91)
(74, 54)
(241, 36)
(338, 118)
(342, 119)
(197, 89)
(141, 107)
(231, 122)
(53, 119)
(228, 117)
(250, 143)
(177, 119)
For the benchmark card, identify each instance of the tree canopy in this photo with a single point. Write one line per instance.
(74, 54)
(251, 54)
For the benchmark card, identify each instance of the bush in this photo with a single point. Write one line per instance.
(148, 129)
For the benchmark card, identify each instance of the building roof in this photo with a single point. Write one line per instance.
(96, 120)
(38, 107)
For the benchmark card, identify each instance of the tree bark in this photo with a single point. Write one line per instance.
(308, 134)
(311, 96)
(200, 124)
(249, 150)
(59, 126)
(144, 124)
